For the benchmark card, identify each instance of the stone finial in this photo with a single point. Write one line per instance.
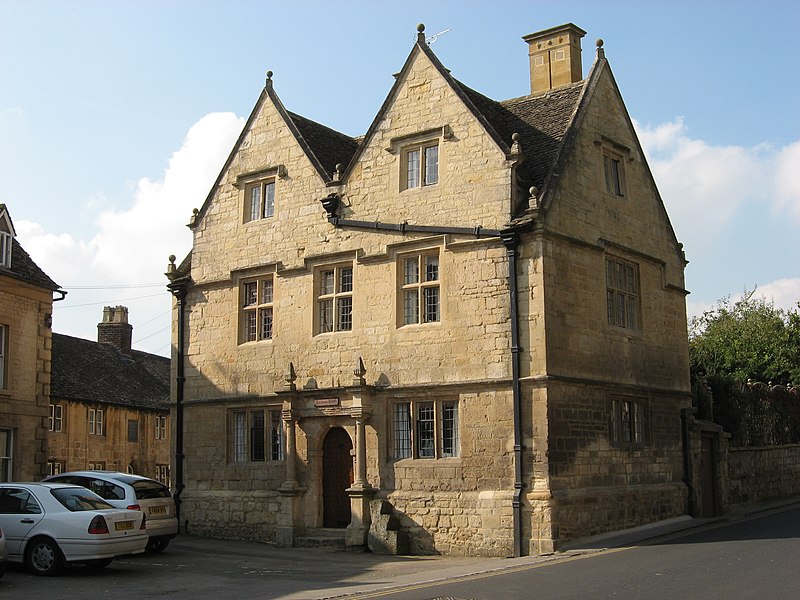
(290, 377)
(171, 268)
(533, 199)
(268, 82)
(516, 147)
(337, 175)
(421, 33)
(360, 371)
(601, 53)
(193, 219)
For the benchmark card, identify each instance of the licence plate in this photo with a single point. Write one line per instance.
(158, 510)
(123, 525)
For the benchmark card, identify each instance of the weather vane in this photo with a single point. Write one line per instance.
(432, 38)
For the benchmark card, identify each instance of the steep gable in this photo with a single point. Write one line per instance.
(323, 146)
(22, 265)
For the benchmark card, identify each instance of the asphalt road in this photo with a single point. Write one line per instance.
(755, 557)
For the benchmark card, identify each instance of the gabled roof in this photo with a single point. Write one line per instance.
(22, 265)
(324, 147)
(87, 371)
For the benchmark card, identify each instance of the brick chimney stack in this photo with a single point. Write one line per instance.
(115, 329)
(555, 57)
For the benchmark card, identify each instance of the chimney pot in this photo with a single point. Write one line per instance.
(115, 329)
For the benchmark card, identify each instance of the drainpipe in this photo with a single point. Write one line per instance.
(179, 291)
(510, 239)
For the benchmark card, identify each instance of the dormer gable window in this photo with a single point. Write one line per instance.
(5, 249)
(419, 156)
(259, 193)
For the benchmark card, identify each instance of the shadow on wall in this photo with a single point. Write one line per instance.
(395, 533)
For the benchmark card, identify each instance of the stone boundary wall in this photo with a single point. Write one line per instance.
(762, 473)
(583, 513)
(233, 515)
(456, 523)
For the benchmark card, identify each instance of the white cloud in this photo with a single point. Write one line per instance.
(704, 186)
(131, 245)
(783, 293)
(787, 181)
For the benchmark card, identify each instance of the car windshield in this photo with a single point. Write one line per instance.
(79, 499)
(147, 490)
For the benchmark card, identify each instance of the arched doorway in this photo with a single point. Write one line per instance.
(337, 476)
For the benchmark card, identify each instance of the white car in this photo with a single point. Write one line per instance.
(3, 554)
(49, 525)
(135, 492)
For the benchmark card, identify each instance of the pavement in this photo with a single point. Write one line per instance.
(331, 573)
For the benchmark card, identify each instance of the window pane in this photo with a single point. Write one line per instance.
(133, 430)
(257, 435)
(266, 324)
(621, 309)
(239, 441)
(615, 177)
(431, 165)
(626, 421)
(266, 291)
(632, 313)
(91, 420)
(250, 293)
(344, 308)
(325, 316)
(276, 436)
(425, 431)
(402, 430)
(411, 271)
(431, 304)
(255, 203)
(449, 429)
(410, 306)
(638, 423)
(412, 177)
(610, 306)
(250, 326)
(269, 199)
(431, 268)
(346, 279)
(326, 280)
(630, 279)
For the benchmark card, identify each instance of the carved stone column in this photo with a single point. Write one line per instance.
(290, 514)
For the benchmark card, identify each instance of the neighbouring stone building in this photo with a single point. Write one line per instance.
(463, 332)
(26, 309)
(109, 405)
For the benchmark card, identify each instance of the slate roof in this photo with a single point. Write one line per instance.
(328, 145)
(83, 370)
(540, 120)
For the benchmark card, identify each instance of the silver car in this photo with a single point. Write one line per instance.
(49, 526)
(3, 554)
(135, 492)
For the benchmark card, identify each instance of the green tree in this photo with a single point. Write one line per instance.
(747, 339)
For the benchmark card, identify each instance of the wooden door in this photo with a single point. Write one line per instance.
(337, 476)
(707, 470)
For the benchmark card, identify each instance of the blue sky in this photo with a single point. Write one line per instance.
(115, 118)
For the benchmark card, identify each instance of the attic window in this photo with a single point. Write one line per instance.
(5, 249)
(420, 165)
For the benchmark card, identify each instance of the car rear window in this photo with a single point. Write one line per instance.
(147, 490)
(79, 499)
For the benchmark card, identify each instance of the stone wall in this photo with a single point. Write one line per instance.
(24, 400)
(76, 448)
(763, 473)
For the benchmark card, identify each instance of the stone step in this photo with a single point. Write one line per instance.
(322, 538)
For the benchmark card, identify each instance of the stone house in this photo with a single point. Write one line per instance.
(26, 308)
(463, 332)
(109, 404)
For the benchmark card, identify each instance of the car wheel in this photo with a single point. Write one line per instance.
(157, 545)
(43, 557)
(100, 563)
